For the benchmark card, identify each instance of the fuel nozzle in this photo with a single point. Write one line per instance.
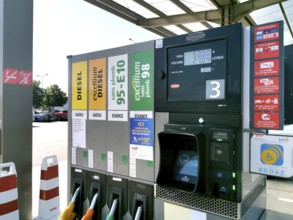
(112, 210)
(68, 213)
(91, 211)
(138, 213)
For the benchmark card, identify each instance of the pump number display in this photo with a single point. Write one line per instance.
(215, 89)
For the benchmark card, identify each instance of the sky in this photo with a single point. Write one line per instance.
(72, 27)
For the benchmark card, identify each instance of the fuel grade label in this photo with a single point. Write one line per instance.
(118, 88)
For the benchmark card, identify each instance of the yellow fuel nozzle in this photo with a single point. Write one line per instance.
(68, 213)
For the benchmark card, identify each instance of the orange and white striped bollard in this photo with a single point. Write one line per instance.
(8, 192)
(49, 201)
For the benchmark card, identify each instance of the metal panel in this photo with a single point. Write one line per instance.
(164, 209)
(78, 156)
(142, 56)
(96, 125)
(118, 118)
(16, 100)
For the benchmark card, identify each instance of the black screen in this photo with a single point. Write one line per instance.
(186, 167)
(197, 72)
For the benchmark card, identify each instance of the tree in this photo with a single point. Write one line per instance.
(37, 94)
(54, 96)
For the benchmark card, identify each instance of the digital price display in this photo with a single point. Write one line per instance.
(198, 57)
(197, 72)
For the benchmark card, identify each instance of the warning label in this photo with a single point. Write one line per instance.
(20, 77)
(25, 78)
(10, 76)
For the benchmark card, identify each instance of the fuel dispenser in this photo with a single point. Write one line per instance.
(199, 122)
(159, 128)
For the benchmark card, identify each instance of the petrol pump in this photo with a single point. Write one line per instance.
(200, 145)
(161, 129)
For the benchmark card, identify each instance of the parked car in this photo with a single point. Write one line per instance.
(44, 116)
(61, 115)
(33, 114)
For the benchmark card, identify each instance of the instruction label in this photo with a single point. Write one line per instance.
(141, 135)
(267, 77)
(267, 68)
(79, 128)
(267, 103)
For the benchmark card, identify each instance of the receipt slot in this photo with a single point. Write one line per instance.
(117, 190)
(78, 180)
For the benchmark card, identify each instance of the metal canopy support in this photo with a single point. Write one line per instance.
(227, 15)
(189, 11)
(227, 12)
(158, 12)
(212, 15)
(128, 15)
(239, 11)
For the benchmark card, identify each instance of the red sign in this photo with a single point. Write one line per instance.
(267, 68)
(14, 76)
(10, 76)
(266, 85)
(266, 50)
(267, 32)
(267, 103)
(266, 120)
(25, 77)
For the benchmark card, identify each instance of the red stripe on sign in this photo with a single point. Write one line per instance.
(49, 194)
(8, 183)
(51, 173)
(8, 207)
